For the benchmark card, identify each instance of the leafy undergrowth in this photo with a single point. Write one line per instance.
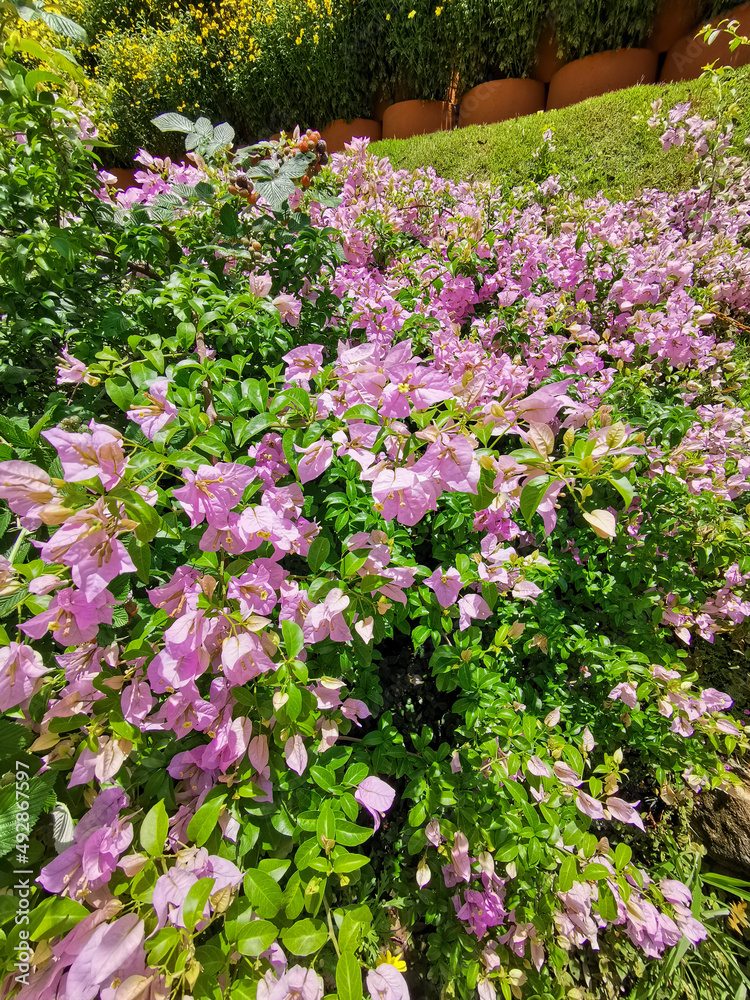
(363, 550)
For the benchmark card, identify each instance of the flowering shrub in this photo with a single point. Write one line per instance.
(353, 574)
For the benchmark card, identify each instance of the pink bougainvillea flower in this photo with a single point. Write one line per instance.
(386, 983)
(86, 456)
(21, 672)
(627, 692)
(295, 753)
(102, 764)
(70, 369)
(297, 983)
(89, 545)
(326, 620)
(566, 774)
(179, 594)
(624, 811)
(72, 618)
(376, 797)
(481, 910)
(316, 459)
(289, 308)
(432, 832)
(446, 585)
(589, 806)
(460, 856)
(259, 285)
(472, 606)
(537, 766)
(402, 493)
(243, 658)
(112, 953)
(156, 412)
(170, 892)
(212, 491)
(303, 363)
(28, 489)
(99, 839)
(254, 591)
(675, 891)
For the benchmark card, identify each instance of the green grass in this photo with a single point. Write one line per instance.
(605, 141)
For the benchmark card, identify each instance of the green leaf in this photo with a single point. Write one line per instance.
(568, 874)
(63, 26)
(596, 871)
(154, 830)
(140, 553)
(305, 936)
(362, 412)
(531, 496)
(348, 977)
(40, 797)
(148, 520)
(258, 424)
(255, 937)
(737, 886)
(202, 825)
(623, 854)
(53, 916)
(195, 902)
(318, 552)
(322, 777)
(353, 927)
(351, 835)
(607, 904)
(120, 390)
(308, 851)
(344, 862)
(624, 487)
(263, 892)
(15, 433)
(293, 638)
(172, 122)
(326, 825)
(294, 397)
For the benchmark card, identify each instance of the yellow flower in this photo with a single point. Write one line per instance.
(438, 11)
(387, 17)
(395, 960)
(412, 14)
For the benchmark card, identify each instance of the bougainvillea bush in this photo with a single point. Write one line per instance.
(353, 571)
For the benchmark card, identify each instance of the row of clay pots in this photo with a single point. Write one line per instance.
(569, 83)
(500, 100)
(688, 55)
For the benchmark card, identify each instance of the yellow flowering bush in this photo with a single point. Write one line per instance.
(264, 65)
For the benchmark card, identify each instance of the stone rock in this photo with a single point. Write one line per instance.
(721, 820)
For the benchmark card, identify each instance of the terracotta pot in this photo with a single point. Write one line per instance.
(408, 118)
(340, 132)
(125, 178)
(674, 19)
(547, 61)
(379, 103)
(600, 74)
(499, 100)
(687, 57)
